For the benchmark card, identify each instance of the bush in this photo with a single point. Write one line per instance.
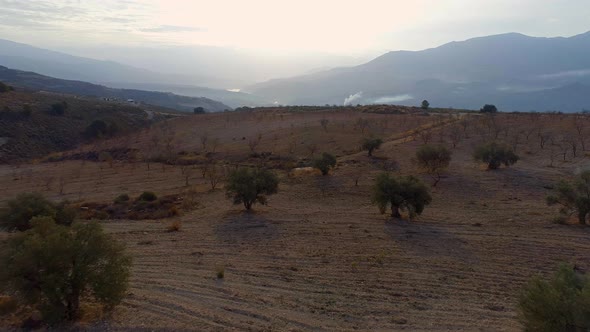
(175, 226)
(574, 198)
(371, 144)
(489, 109)
(147, 196)
(121, 199)
(400, 193)
(24, 207)
(54, 267)
(434, 160)
(559, 304)
(58, 108)
(249, 186)
(199, 110)
(325, 163)
(5, 87)
(495, 155)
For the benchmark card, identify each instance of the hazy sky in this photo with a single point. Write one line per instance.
(327, 26)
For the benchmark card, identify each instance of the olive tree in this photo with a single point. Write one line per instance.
(495, 154)
(371, 144)
(400, 193)
(249, 186)
(574, 198)
(20, 210)
(433, 160)
(54, 267)
(559, 304)
(325, 163)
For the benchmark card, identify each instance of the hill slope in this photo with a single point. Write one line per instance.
(497, 69)
(38, 82)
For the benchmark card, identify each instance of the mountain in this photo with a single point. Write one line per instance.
(502, 69)
(234, 99)
(34, 81)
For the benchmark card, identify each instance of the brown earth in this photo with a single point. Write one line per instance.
(320, 257)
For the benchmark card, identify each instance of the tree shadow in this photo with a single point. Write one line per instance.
(427, 240)
(246, 227)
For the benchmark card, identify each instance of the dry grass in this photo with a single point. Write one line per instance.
(320, 256)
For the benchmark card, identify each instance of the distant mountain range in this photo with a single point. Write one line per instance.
(113, 74)
(513, 71)
(37, 82)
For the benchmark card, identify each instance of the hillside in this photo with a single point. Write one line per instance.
(499, 69)
(30, 129)
(320, 256)
(38, 82)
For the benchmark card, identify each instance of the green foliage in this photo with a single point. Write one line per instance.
(495, 155)
(425, 105)
(573, 197)
(100, 128)
(371, 144)
(5, 87)
(24, 207)
(559, 304)
(59, 108)
(147, 196)
(249, 186)
(325, 163)
(123, 198)
(489, 109)
(53, 267)
(400, 193)
(434, 160)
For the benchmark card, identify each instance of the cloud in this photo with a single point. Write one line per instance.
(392, 99)
(172, 29)
(567, 74)
(350, 99)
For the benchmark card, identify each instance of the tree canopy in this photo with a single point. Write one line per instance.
(574, 197)
(400, 193)
(250, 186)
(495, 154)
(54, 267)
(371, 144)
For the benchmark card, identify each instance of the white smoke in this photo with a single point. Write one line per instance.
(392, 99)
(352, 98)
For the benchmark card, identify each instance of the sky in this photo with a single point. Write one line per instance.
(344, 27)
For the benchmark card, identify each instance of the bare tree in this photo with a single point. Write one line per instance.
(254, 142)
(581, 124)
(425, 135)
(62, 183)
(186, 172)
(455, 135)
(47, 181)
(204, 139)
(324, 123)
(215, 175)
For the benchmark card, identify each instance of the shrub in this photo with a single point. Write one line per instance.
(58, 108)
(574, 198)
(199, 110)
(27, 111)
(121, 199)
(147, 196)
(24, 207)
(371, 144)
(559, 304)
(400, 193)
(54, 267)
(495, 155)
(488, 109)
(434, 160)
(5, 87)
(325, 163)
(249, 186)
(174, 226)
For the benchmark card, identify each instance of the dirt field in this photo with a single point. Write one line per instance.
(320, 257)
